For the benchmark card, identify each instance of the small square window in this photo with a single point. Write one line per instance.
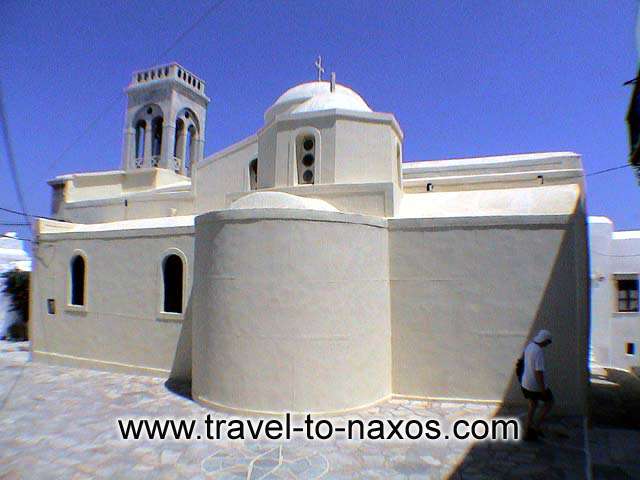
(628, 295)
(51, 306)
(631, 348)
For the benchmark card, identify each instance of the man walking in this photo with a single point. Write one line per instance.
(534, 386)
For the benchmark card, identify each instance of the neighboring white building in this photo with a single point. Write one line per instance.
(12, 256)
(615, 318)
(306, 267)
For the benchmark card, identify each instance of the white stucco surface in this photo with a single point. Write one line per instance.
(543, 200)
(121, 327)
(280, 200)
(613, 255)
(458, 325)
(316, 96)
(291, 312)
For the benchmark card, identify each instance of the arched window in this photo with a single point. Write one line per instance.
(172, 277)
(156, 138)
(185, 147)
(253, 174)
(306, 158)
(140, 131)
(78, 279)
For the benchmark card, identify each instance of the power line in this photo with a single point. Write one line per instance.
(207, 12)
(10, 157)
(12, 211)
(89, 127)
(16, 212)
(17, 238)
(626, 165)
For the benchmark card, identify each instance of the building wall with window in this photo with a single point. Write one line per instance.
(120, 324)
(615, 273)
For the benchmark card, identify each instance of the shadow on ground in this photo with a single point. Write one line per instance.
(615, 399)
(179, 387)
(615, 424)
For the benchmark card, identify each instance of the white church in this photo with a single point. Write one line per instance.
(307, 267)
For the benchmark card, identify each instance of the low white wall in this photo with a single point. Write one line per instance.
(467, 293)
(153, 205)
(291, 311)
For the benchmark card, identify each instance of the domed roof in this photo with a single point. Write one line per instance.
(314, 97)
(281, 200)
(331, 101)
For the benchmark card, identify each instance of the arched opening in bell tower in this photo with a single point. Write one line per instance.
(185, 146)
(141, 127)
(190, 150)
(156, 141)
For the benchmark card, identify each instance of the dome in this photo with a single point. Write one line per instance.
(280, 200)
(319, 97)
(331, 101)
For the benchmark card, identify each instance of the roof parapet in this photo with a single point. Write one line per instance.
(171, 71)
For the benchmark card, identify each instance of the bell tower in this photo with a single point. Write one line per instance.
(165, 120)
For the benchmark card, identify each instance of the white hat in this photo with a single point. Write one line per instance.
(542, 336)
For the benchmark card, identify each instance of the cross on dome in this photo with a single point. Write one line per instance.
(320, 68)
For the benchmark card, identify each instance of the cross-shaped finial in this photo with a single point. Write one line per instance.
(319, 67)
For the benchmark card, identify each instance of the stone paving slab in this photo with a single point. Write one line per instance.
(60, 423)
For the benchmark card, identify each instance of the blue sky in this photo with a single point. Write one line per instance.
(467, 78)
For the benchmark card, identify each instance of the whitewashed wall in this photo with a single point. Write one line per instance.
(291, 311)
(467, 293)
(121, 328)
(612, 254)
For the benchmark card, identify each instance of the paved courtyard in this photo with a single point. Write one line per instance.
(60, 423)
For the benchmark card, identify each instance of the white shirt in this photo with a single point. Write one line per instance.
(533, 362)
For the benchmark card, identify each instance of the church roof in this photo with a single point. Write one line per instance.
(314, 97)
(281, 200)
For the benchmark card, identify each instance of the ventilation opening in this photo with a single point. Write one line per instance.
(631, 348)
(306, 159)
(253, 174)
